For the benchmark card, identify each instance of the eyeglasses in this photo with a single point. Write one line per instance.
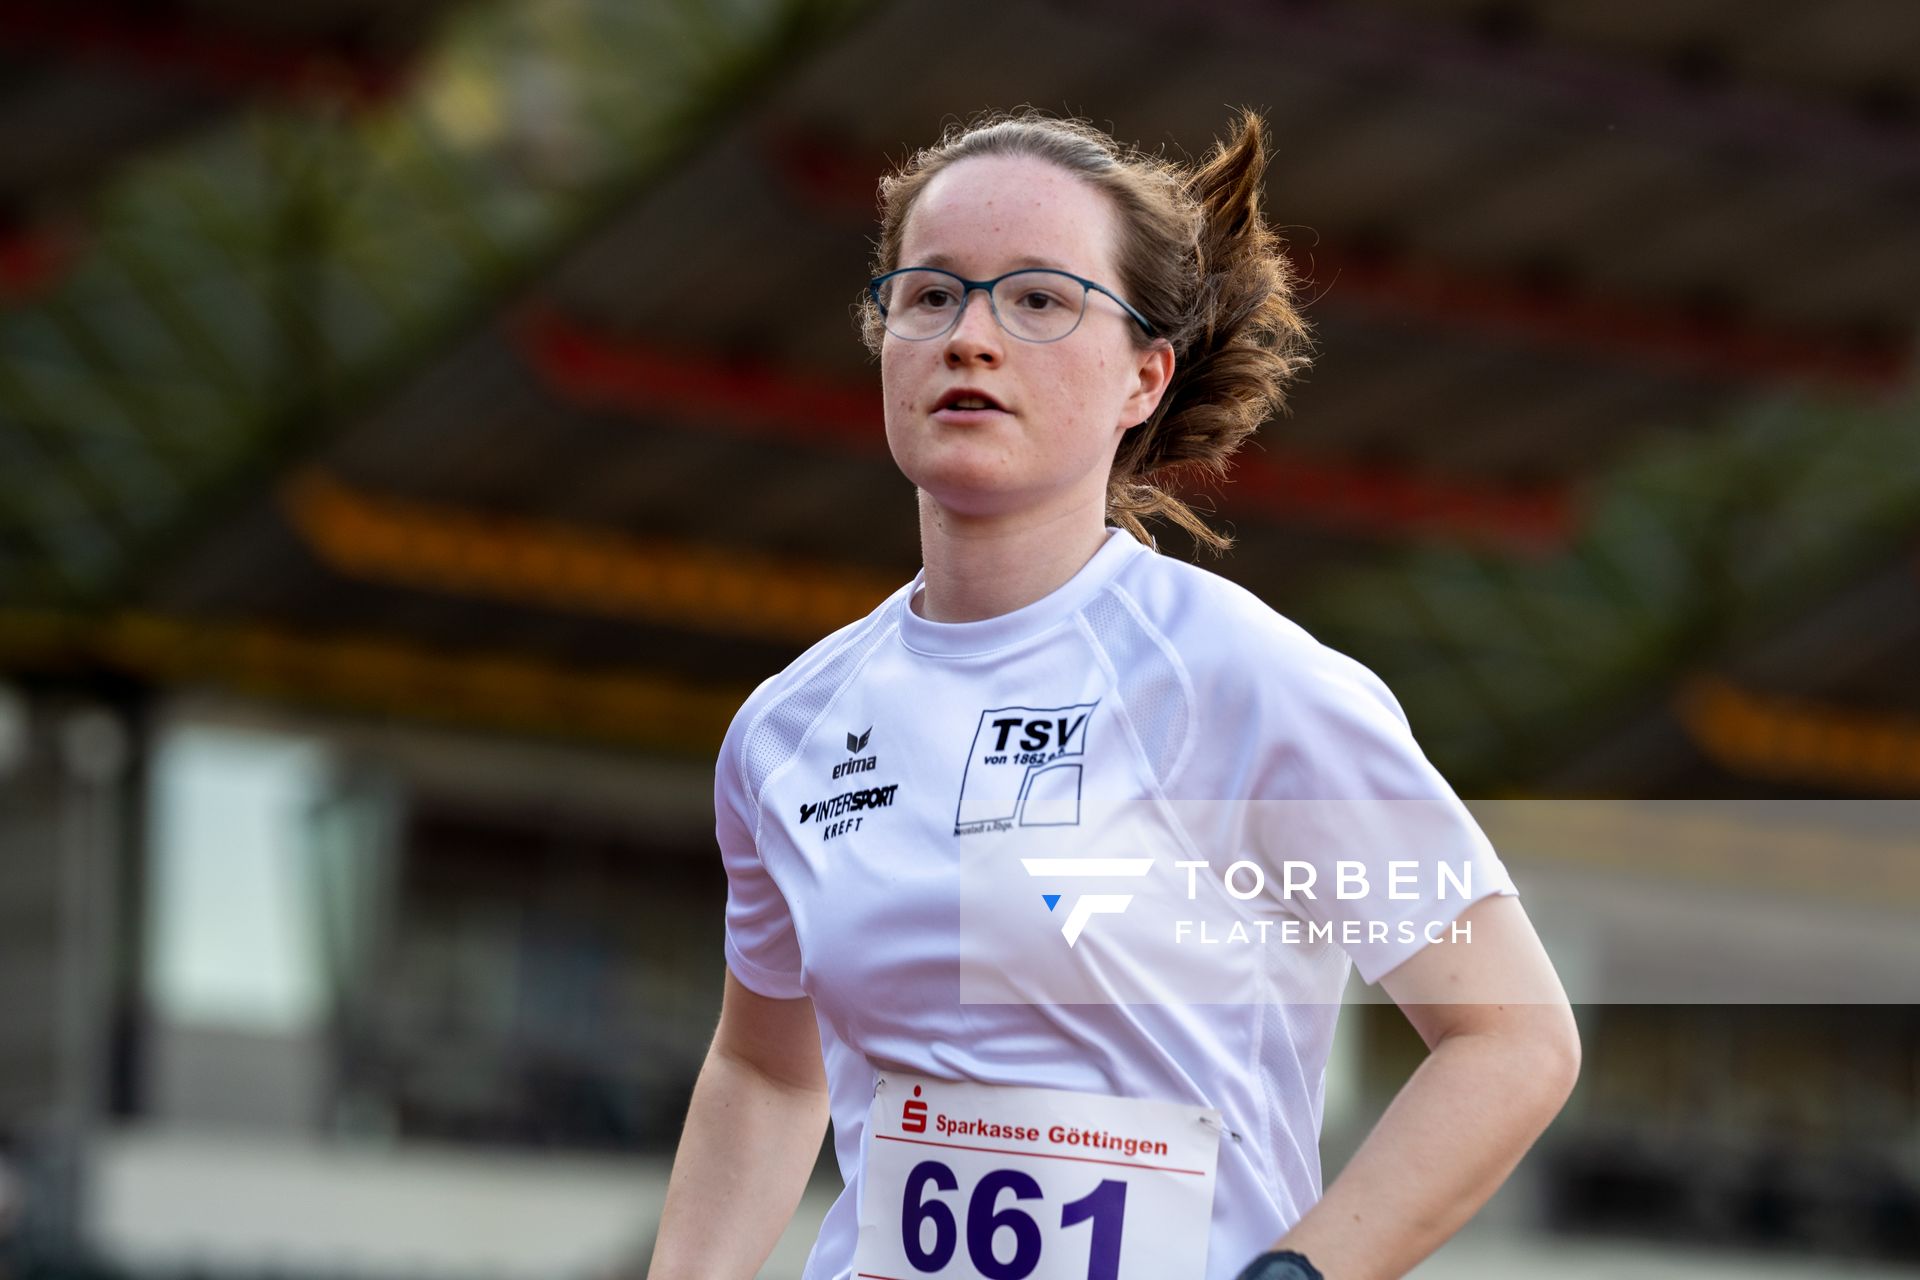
(1034, 304)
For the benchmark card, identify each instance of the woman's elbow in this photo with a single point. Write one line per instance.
(1560, 1057)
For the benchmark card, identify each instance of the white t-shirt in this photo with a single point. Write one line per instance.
(878, 802)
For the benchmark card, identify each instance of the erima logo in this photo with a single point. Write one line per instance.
(1088, 905)
(856, 743)
(1023, 769)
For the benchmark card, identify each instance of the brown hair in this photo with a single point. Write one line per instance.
(1199, 262)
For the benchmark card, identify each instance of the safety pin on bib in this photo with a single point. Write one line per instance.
(1213, 1123)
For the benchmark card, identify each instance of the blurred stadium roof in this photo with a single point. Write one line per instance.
(493, 363)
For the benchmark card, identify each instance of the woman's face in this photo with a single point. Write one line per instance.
(1065, 404)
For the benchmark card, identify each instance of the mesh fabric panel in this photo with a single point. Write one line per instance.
(1150, 684)
(783, 726)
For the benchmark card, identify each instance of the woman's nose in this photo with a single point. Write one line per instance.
(976, 335)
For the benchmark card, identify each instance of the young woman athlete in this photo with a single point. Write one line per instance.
(1011, 861)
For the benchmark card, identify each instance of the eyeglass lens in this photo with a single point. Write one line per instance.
(1037, 305)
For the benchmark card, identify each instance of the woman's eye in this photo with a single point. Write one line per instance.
(1035, 300)
(935, 298)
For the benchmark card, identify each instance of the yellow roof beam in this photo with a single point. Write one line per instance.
(1795, 740)
(365, 674)
(436, 547)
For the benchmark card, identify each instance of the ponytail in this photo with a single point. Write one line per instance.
(1244, 341)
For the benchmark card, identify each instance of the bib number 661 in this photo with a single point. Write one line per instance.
(986, 1222)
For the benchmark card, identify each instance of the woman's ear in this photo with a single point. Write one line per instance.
(1155, 371)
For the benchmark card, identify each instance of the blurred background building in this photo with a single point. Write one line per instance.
(421, 424)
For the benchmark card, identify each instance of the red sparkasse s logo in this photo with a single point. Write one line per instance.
(913, 1114)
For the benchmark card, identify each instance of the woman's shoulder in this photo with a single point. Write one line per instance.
(1238, 648)
(818, 672)
(1208, 616)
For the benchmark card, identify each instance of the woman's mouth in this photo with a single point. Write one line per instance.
(964, 404)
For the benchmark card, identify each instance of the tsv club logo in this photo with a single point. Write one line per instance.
(1024, 769)
(1087, 905)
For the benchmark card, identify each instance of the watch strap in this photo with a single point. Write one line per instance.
(1281, 1264)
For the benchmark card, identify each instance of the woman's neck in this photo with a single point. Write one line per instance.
(983, 567)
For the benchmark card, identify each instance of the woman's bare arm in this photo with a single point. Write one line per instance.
(1504, 1055)
(753, 1132)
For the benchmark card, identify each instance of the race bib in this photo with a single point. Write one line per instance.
(966, 1180)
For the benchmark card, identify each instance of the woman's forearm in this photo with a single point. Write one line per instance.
(745, 1154)
(1451, 1136)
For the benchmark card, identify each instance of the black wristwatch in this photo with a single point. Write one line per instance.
(1281, 1264)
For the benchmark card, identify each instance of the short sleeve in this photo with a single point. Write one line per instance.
(1346, 796)
(762, 948)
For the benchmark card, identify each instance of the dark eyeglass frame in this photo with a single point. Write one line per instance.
(966, 295)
